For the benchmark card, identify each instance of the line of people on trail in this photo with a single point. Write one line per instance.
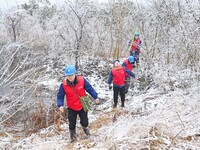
(120, 74)
(73, 87)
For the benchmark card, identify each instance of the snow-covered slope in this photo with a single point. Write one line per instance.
(155, 119)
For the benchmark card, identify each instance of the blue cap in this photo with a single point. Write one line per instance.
(137, 33)
(116, 60)
(131, 59)
(70, 70)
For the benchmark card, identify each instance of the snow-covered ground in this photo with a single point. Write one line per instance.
(155, 119)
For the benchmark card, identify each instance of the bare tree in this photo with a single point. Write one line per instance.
(13, 21)
(77, 23)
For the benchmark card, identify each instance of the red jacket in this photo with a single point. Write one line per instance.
(118, 76)
(135, 45)
(128, 65)
(72, 99)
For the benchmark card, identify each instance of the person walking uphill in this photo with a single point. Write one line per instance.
(135, 47)
(129, 64)
(117, 75)
(74, 87)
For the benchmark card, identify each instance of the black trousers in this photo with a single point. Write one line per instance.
(117, 91)
(72, 117)
(128, 80)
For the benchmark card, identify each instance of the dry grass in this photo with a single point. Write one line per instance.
(59, 118)
(106, 118)
(3, 134)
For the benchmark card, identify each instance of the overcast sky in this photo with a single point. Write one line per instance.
(5, 4)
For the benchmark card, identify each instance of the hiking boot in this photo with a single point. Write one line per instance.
(122, 105)
(115, 105)
(72, 135)
(86, 130)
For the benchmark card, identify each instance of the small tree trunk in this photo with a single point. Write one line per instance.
(14, 31)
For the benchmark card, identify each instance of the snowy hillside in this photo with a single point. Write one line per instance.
(155, 119)
(38, 40)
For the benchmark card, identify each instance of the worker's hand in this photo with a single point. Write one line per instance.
(110, 87)
(97, 101)
(62, 109)
(138, 47)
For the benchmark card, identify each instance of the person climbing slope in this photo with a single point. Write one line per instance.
(135, 47)
(117, 75)
(129, 64)
(74, 87)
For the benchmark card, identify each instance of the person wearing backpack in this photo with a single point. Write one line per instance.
(135, 47)
(117, 75)
(129, 64)
(74, 87)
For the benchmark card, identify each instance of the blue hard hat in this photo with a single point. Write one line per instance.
(131, 59)
(137, 33)
(70, 70)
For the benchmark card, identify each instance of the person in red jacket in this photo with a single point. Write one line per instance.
(117, 75)
(74, 87)
(129, 64)
(135, 47)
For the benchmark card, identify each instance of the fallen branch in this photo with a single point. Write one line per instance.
(178, 132)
